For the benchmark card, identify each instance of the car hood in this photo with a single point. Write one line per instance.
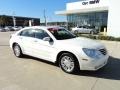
(81, 42)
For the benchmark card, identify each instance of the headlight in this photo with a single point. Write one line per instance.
(93, 53)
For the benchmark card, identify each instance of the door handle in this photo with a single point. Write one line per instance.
(35, 41)
(20, 38)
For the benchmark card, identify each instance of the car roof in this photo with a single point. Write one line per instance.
(43, 27)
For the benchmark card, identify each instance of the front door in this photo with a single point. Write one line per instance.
(43, 49)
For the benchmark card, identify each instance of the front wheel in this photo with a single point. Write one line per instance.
(17, 50)
(76, 32)
(68, 63)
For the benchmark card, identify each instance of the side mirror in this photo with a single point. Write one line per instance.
(46, 39)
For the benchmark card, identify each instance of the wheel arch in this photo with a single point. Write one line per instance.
(19, 45)
(61, 52)
(14, 44)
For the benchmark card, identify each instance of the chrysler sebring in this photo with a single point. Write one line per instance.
(58, 45)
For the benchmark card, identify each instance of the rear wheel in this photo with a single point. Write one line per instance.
(17, 50)
(68, 63)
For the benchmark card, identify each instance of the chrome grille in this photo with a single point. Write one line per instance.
(103, 51)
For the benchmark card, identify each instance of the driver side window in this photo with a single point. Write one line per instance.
(40, 34)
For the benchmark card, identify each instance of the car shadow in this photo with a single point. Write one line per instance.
(110, 71)
(41, 60)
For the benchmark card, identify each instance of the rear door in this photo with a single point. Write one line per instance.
(27, 37)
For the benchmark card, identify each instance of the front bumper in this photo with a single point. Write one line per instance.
(94, 65)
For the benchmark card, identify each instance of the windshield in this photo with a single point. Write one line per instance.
(61, 33)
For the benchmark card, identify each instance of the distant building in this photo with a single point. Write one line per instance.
(55, 23)
(18, 20)
(104, 15)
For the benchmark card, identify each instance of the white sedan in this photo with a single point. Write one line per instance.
(58, 45)
(85, 30)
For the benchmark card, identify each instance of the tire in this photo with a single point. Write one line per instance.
(76, 32)
(17, 51)
(92, 32)
(68, 63)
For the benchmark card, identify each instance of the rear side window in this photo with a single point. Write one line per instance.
(28, 33)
